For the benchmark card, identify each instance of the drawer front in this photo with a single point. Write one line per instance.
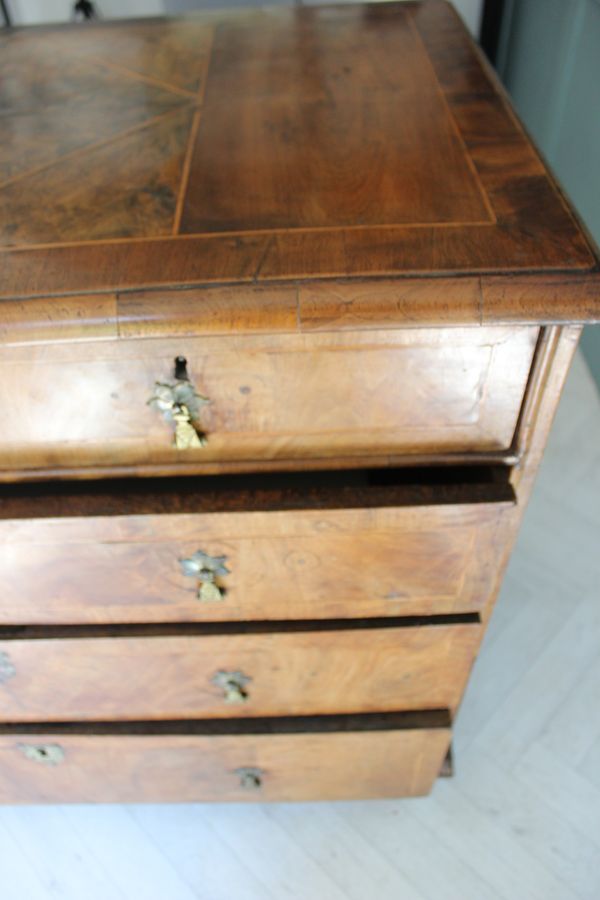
(279, 565)
(174, 677)
(272, 397)
(42, 767)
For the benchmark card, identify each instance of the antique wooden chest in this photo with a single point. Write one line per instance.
(287, 299)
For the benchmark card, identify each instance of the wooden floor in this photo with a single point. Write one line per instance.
(521, 819)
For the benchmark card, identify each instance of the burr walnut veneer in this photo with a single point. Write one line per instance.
(287, 299)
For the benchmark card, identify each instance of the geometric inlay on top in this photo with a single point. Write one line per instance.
(356, 140)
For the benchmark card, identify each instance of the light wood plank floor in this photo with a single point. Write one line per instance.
(521, 819)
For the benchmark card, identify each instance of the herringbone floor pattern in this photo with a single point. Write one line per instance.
(521, 819)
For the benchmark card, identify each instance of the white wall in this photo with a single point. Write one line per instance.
(35, 12)
(29, 12)
(471, 11)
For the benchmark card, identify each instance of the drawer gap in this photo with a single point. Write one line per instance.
(321, 490)
(185, 629)
(320, 724)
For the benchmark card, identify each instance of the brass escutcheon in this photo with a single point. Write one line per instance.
(233, 684)
(206, 569)
(47, 754)
(250, 778)
(181, 404)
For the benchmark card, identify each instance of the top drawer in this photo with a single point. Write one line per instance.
(84, 407)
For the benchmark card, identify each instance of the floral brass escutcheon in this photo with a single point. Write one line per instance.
(206, 569)
(180, 404)
(233, 685)
(47, 754)
(251, 778)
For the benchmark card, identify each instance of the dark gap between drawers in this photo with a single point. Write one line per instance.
(207, 494)
(187, 629)
(322, 724)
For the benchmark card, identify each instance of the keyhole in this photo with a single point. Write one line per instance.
(181, 372)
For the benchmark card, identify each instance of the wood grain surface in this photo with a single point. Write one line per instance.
(304, 673)
(311, 205)
(523, 754)
(273, 397)
(347, 141)
(294, 565)
(177, 768)
(315, 306)
(319, 142)
(91, 317)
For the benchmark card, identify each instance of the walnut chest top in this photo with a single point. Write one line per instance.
(286, 145)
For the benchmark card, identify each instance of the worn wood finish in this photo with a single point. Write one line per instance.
(69, 319)
(335, 216)
(289, 397)
(73, 473)
(178, 768)
(302, 673)
(554, 357)
(331, 306)
(413, 560)
(553, 299)
(145, 314)
(309, 113)
(519, 743)
(328, 159)
(63, 102)
(414, 302)
(107, 187)
(311, 306)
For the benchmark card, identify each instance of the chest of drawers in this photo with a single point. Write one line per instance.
(287, 302)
